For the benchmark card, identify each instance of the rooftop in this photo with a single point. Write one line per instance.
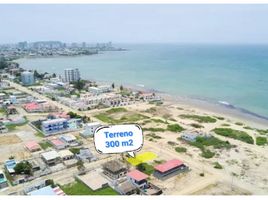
(50, 155)
(168, 165)
(137, 175)
(56, 142)
(114, 166)
(65, 153)
(32, 145)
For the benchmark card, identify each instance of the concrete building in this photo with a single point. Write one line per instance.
(27, 78)
(3, 180)
(170, 169)
(51, 157)
(114, 169)
(54, 126)
(10, 165)
(32, 146)
(57, 144)
(90, 129)
(69, 140)
(71, 75)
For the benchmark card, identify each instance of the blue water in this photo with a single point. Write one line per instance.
(237, 74)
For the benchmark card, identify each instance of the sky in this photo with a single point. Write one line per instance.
(224, 24)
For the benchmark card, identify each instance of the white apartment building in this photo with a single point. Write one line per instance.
(71, 75)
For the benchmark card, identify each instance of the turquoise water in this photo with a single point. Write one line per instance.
(237, 74)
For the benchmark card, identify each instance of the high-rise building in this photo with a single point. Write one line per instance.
(71, 75)
(27, 78)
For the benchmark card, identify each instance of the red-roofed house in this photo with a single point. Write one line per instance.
(169, 169)
(32, 107)
(137, 178)
(57, 144)
(33, 146)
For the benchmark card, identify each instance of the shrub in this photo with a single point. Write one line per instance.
(180, 149)
(207, 153)
(23, 168)
(174, 128)
(235, 134)
(145, 168)
(261, 140)
(199, 118)
(217, 165)
(196, 125)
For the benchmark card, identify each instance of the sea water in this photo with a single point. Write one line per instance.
(233, 74)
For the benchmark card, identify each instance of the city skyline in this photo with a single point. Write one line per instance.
(120, 23)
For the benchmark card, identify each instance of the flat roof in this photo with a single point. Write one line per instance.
(32, 145)
(93, 180)
(168, 165)
(57, 142)
(137, 175)
(50, 155)
(65, 153)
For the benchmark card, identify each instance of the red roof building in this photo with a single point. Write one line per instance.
(58, 144)
(137, 175)
(169, 169)
(32, 146)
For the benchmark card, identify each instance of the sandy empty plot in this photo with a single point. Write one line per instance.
(143, 157)
(9, 139)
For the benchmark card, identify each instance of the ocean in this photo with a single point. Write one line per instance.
(234, 74)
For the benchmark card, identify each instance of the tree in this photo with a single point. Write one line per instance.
(121, 88)
(113, 85)
(23, 167)
(79, 85)
(3, 63)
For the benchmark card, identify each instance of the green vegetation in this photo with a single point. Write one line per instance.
(159, 161)
(79, 188)
(171, 143)
(44, 145)
(23, 168)
(116, 110)
(180, 149)
(196, 125)
(74, 150)
(207, 153)
(225, 125)
(79, 85)
(203, 142)
(219, 118)
(159, 121)
(145, 168)
(262, 132)
(3, 63)
(174, 128)
(107, 116)
(235, 134)
(199, 118)
(154, 136)
(261, 141)
(217, 165)
(248, 128)
(239, 123)
(39, 134)
(154, 129)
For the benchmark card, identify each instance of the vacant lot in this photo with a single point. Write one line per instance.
(9, 139)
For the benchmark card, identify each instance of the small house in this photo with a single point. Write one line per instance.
(32, 146)
(10, 165)
(3, 180)
(69, 140)
(90, 129)
(170, 169)
(85, 155)
(57, 144)
(51, 157)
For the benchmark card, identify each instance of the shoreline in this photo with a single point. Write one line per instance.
(203, 105)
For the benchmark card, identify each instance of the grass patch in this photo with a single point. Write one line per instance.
(171, 143)
(159, 121)
(108, 117)
(261, 141)
(207, 153)
(79, 188)
(145, 168)
(180, 149)
(116, 110)
(225, 125)
(217, 165)
(174, 128)
(219, 118)
(199, 118)
(154, 129)
(154, 136)
(45, 145)
(203, 142)
(248, 128)
(75, 150)
(239, 123)
(235, 134)
(262, 131)
(196, 125)
(39, 134)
